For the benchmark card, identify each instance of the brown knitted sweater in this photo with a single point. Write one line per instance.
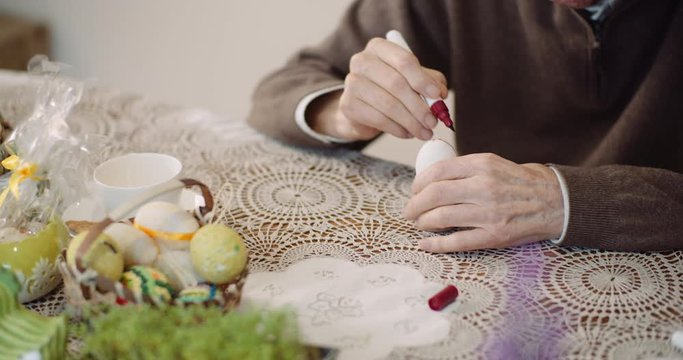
(535, 83)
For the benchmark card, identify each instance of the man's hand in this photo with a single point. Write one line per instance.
(381, 94)
(327, 118)
(503, 203)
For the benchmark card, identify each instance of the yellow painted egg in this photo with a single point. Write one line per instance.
(167, 223)
(137, 247)
(102, 256)
(218, 253)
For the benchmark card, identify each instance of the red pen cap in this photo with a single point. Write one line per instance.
(440, 111)
(443, 298)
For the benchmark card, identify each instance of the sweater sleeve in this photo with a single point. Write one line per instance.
(624, 208)
(326, 65)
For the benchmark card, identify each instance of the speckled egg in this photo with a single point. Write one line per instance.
(147, 281)
(170, 225)
(218, 253)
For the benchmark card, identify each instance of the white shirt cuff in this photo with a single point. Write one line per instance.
(300, 116)
(565, 200)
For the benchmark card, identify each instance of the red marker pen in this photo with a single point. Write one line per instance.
(437, 106)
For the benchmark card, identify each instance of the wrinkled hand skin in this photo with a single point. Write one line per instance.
(381, 94)
(503, 204)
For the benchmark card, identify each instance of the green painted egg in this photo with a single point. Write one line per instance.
(147, 281)
(198, 294)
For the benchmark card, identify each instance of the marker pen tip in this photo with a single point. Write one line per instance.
(440, 111)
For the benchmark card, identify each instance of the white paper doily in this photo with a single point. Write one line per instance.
(364, 311)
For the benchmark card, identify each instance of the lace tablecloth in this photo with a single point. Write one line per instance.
(289, 204)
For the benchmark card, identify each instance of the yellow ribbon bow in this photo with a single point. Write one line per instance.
(20, 172)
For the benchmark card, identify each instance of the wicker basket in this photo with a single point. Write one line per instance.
(84, 287)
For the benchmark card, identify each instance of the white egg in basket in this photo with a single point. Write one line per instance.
(169, 224)
(137, 247)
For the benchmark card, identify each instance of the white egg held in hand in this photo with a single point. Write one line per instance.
(432, 152)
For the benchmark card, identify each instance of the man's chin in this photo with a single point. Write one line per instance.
(577, 4)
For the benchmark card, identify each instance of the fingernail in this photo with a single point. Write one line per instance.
(425, 134)
(433, 91)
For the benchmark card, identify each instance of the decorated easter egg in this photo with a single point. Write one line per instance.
(198, 294)
(147, 281)
(103, 256)
(432, 152)
(137, 247)
(177, 266)
(218, 253)
(170, 225)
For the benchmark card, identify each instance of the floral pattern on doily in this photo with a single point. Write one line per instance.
(298, 195)
(599, 286)
(630, 343)
(327, 308)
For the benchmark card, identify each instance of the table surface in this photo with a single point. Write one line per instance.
(289, 204)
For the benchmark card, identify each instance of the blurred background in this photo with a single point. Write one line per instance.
(200, 53)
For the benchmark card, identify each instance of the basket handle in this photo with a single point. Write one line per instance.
(120, 212)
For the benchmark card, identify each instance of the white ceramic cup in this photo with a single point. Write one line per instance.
(122, 178)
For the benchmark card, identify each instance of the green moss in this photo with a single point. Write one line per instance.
(195, 332)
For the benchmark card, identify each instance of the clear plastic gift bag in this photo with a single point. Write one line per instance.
(46, 167)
